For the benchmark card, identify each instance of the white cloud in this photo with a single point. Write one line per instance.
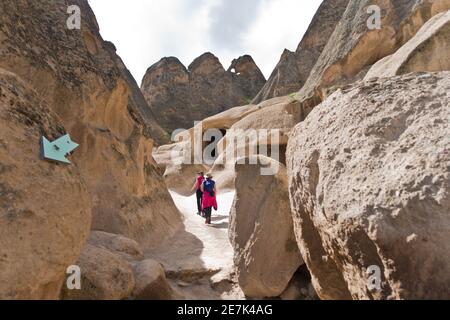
(144, 31)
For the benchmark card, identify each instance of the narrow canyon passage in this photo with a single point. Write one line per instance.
(199, 259)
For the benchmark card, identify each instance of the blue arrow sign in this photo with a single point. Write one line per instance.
(58, 149)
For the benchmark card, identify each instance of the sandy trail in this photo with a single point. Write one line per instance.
(199, 258)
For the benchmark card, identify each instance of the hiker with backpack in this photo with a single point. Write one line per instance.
(209, 200)
(198, 187)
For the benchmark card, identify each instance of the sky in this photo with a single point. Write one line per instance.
(144, 31)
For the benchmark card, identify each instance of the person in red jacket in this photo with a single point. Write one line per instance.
(198, 187)
(209, 200)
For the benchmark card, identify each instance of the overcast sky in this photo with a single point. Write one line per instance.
(144, 31)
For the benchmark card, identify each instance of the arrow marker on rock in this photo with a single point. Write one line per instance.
(58, 149)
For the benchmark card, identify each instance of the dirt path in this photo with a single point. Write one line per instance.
(199, 258)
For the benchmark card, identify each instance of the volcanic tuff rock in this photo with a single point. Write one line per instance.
(248, 78)
(276, 117)
(353, 48)
(428, 50)
(180, 96)
(369, 180)
(84, 82)
(294, 67)
(176, 159)
(124, 247)
(151, 282)
(104, 276)
(39, 237)
(280, 113)
(261, 231)
(300, 287)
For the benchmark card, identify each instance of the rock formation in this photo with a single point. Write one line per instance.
(83, 81)
(177, 159)
(151, 282)
(126, 248)
(246, 137)
(180, 96)
(353, 48)
(428, 50)
(355, 204)
(105, 276)
(261, 231)
(300, 287)
(39, 237)
(113, 267)
(294, 67)
(369, 186)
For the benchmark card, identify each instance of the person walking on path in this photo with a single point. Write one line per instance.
(198, 187)
(209, 200)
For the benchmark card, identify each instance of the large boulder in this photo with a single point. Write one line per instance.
(369, 181)
(179, 96)
(354, 47)
(151, 282)
(428, 50)
(45, 209)
(126, 248)
(85, 83)
(261, 230)
(293, 69)
(104, 276)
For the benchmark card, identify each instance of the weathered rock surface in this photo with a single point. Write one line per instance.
(180, 96)
(279, 113)
(126, 248)
(104, 276)
(177, 159)
(151, 282)
(275, 118)
(369, 180)
(248, 77)
(294, 67)
(300, 287)
(428, 50)
(86, 85)
(39, 238)
(353, 48)
(261, 219)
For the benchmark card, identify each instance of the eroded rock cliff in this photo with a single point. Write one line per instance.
(354, 47)
(179, 96)
(294, 68)
(45, 209)
(83, 81)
